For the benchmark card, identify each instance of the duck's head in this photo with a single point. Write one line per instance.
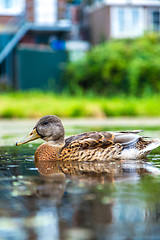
(49, 128)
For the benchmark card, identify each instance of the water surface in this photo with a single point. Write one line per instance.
(119, 200)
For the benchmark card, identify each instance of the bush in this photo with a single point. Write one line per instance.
(118, 67)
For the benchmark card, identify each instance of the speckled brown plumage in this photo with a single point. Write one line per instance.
(142, 143)
(83, 147)
(89, 146)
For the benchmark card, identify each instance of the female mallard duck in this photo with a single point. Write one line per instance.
(89, 146)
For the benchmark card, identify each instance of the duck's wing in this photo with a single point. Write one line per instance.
(127, 138)
(90, 140)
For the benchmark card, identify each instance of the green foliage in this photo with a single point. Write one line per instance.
(118, 66)
(38, 104)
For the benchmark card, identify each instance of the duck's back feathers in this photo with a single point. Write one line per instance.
(93, 146)
(102, 139)
(108, 145)
(90, 140)
(89, 146)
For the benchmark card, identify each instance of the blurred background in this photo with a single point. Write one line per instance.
(89, 50)
(96, 64)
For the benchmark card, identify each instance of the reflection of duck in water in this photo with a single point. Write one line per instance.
(95, 172)
(75, 168)
(89, 146)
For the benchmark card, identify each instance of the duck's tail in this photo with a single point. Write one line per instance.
(152, 145)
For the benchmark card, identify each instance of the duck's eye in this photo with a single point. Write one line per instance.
(45, 123)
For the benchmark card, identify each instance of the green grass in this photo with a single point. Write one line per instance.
(37, 104)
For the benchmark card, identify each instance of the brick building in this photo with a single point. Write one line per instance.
(107, 19)
(35, 24)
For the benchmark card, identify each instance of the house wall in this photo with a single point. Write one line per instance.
(61, 9)
(9, 13)
(99, 22)
(30, 10)
(122, 21)
(5, 19)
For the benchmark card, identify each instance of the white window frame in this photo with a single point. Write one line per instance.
(129, 29)
(17, 8)
(43, 16)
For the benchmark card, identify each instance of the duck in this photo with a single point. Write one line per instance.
(87, 146)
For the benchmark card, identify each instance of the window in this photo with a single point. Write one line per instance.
(126, 21)
(121, 19)
(45, 12)
(156, 20)
(8, 3)
(135, 17)
(11, 7)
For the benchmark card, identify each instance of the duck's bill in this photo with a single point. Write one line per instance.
(33, 135)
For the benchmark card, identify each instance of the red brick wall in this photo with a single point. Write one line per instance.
(5, 19)
(30, 10)
(29, 14)
(61, 9)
